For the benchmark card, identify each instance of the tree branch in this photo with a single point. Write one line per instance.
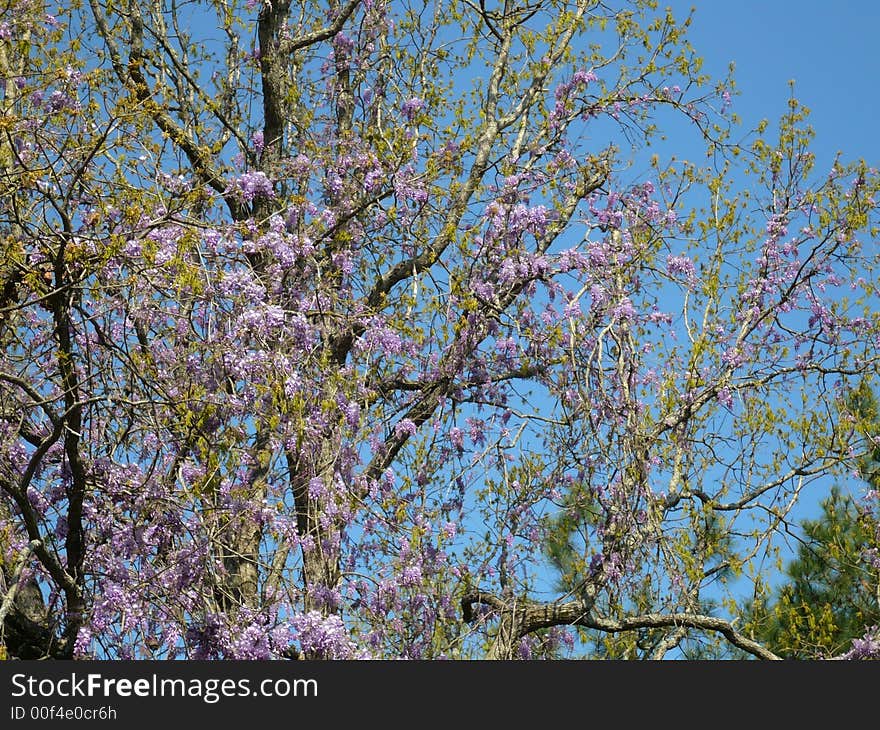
(531, 617)
(15, 579)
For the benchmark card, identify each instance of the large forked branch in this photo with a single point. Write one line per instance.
(496, 123)
(530, 617)
(593, 176)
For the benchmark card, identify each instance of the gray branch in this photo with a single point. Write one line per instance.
(530, 617)
(15, 579)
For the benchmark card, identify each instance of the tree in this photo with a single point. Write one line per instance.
(830, 596)
(832, 588)
(312, 322)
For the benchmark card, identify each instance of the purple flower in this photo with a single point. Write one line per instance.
(323, 637)
(254, 185)
(624, 311)
(476, 428)
(733, 357)
(292, 385)
(37, 500)
(776, 227)
(342, 43)
(682, 266)
(373, 179)
(506, 347)
(263, 320)
(83, 641)
(483, 289)
(242, 283)
(405, 186)
(411, 107)
(389, 478)
(572, 309)
(352, 413)
(411, 575)
(583, 77)
(381, 338)
(867, 647)
(405, 428)
(316, 488)
(457, 438)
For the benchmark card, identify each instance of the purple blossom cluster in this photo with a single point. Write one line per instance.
(242, 283)
(865, 647)
(567, 92)
(252, 185)
(323, 637)
(411, 107)
(684, 267)
(408, 187)
(380, 337)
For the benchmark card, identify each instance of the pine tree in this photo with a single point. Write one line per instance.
(832, 593)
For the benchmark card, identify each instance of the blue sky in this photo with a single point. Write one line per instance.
(831, 50)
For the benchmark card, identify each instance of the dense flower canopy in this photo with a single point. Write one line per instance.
(362, 334)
